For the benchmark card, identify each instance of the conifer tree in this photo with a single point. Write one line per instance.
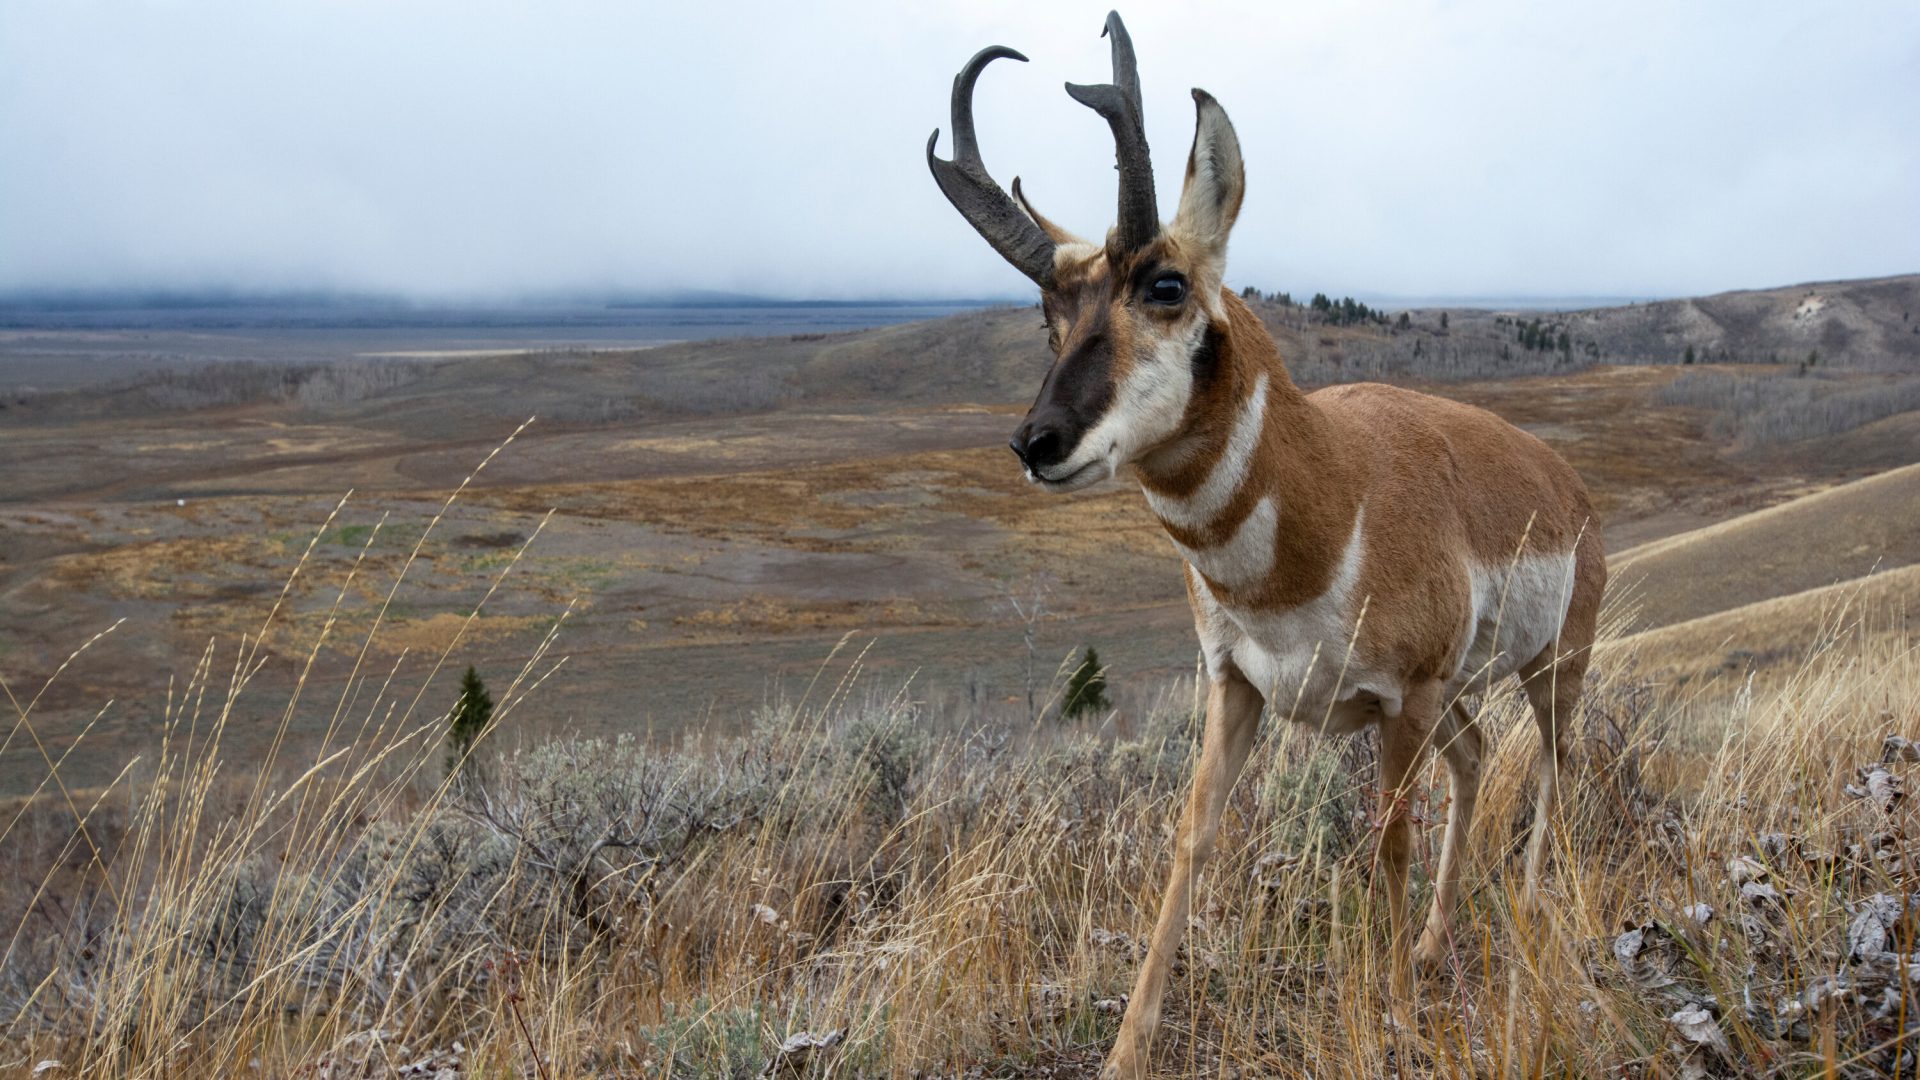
(470, 717)
(1086, 688)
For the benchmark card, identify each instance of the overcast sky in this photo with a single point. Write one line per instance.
(471, 149)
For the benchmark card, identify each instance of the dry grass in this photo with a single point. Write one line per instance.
(868, 504)
(1783, 632)
(915, 896)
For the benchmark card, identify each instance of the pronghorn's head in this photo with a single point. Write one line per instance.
(1131, 322)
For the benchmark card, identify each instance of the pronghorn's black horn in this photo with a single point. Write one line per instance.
(965, 181)
(1119, 102)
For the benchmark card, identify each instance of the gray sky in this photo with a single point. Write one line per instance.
(482, 150)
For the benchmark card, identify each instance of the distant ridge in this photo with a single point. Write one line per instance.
(327, 311)
(1392, 302)
(56, 300)
(731, 300)
(53, 300)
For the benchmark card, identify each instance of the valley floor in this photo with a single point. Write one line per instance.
(715, 564)
(771, 757)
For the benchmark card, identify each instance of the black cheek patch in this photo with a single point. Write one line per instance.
(1206, 358)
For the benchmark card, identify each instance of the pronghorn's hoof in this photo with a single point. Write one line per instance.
(1125, 1061)
(1430, 954)
(1400, 1021)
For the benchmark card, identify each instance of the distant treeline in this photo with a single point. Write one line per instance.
(1345, 311)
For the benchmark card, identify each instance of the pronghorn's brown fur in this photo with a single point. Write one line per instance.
(1445, 486)
(1360, 556)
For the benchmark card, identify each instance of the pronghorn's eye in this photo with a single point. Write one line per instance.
(1167, 289)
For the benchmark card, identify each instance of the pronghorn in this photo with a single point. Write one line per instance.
(1362, 555)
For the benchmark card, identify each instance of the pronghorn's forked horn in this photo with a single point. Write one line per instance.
(972, 191)
(1119, 102)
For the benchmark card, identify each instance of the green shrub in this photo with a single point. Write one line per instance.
(1086, 688)
(470, 717)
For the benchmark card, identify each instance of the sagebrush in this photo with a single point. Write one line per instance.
(864, 885)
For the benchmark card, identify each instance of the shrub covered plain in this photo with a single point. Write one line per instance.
(738, 809)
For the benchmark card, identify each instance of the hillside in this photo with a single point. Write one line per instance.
(1811, 542)
(993, 355)
(1870, 324)
(1852, 326)
(1782, 633)
(1762, 591)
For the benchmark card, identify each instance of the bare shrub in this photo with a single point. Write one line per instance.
(1768, 409)
(599, 409)
(861, 885)
(346, 381)
(235, 382)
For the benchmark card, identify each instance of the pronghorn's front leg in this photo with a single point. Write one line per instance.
(1233, 717)
(1402, 738)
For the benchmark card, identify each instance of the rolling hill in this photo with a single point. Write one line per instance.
(1811, 542)
(1766, 588)
(1871, 324)
(1781, 633)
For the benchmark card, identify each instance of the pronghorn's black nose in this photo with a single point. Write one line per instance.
(1038, 445)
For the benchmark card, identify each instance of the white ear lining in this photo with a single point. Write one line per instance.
(1216, 177)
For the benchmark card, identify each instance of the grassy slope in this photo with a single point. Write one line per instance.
(1783, 630)
(963, 901)
(1810, 542)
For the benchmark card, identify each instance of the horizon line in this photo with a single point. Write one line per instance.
(82, 298)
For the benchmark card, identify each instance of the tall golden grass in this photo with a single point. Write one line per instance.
(862, 886)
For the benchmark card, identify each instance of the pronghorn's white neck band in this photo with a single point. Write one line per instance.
(1210, 499)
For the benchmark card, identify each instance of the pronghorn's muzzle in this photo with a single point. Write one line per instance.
(1048, 445)
(1040, 446)
(1074, 396)
(1076, 393)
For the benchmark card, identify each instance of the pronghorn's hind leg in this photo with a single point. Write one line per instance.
(1553, 681)
(1457, 738)
(1553, 689)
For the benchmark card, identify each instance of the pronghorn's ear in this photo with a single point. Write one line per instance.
(1216, 179)
(1054, 232)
